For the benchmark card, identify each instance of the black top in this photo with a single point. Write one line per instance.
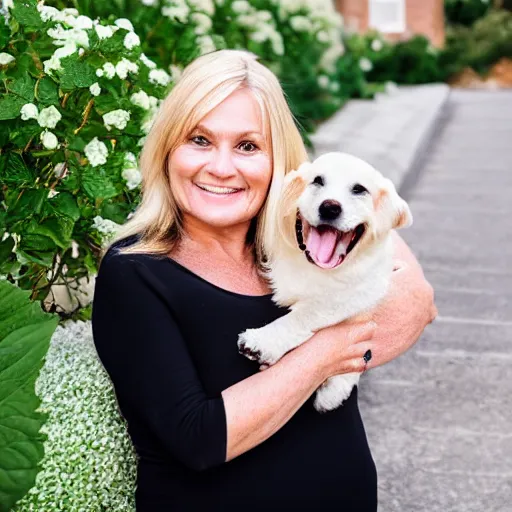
(168, 340)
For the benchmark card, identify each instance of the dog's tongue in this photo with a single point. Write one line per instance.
(321, 245)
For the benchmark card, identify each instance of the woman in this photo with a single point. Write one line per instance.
(182, 280)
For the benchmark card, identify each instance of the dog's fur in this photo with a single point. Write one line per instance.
(320, 297)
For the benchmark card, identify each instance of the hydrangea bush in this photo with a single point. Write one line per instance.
(89, 463)
(77, 97)
(300, 40)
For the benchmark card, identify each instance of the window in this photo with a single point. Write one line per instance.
(387, 16)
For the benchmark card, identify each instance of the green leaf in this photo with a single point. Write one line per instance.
(97, 185)
(64, 203)
(37, 243)
(6, 248)
(58, 229)
(10, 107)
(13, 171)
(23, 87)
(76, 73)
(25, 333)
(5, 33)
(48, 92)
(25, 13)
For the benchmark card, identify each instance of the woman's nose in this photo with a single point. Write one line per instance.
(222, 163)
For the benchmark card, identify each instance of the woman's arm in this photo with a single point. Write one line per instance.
(407, 309)
(257, 407)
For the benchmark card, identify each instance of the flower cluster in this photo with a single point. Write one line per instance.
(89, 461)
(93, 102)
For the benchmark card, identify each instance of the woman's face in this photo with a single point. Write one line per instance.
(220, 175)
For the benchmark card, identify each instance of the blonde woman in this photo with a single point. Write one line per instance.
(183, 279)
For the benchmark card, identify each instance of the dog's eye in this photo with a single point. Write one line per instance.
(319, 181)
(358, 189)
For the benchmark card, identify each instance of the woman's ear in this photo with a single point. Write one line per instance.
(393, 212)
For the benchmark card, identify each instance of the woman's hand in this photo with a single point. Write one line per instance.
(343, 348)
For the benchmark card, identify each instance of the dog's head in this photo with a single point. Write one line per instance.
(336, 206)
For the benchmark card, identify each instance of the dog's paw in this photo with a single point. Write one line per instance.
(253, 346)
(335, 391)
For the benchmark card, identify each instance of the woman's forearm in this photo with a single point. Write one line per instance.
(407, 309)
(260, 405)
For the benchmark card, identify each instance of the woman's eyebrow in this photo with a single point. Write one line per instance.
(211, 134)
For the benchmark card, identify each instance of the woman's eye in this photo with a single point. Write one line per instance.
(248, 147)
(199, 140)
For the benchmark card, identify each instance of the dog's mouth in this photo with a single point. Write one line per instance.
(326, 246)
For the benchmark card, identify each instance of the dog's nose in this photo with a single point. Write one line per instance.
(330, 210)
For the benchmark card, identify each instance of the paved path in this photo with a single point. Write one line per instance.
(439, 419)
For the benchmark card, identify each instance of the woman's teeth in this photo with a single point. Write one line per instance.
(218, 190)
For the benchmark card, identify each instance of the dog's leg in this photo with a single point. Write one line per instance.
(268, 344)
(335, 391)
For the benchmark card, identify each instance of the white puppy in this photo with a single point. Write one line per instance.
(331, 260)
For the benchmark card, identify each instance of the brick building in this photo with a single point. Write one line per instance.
(396, 19)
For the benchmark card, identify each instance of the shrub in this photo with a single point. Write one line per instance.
(76, 99)
(479, 46)
(89, 462)
(465, 12)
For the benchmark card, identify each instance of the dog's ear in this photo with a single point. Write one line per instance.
(294, 185)
(393, 211)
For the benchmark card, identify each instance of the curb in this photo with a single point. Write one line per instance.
(391, 132)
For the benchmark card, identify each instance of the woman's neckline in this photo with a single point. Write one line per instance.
(219, 288)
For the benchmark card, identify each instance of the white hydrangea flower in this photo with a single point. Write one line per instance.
(203, 22)
(105, 226)
(150, 2)
(64, 37)
(6, 58)
(206, 44)
(301, 24)
(49, 140)
(141, 99)
(377, 45)
(147, 62)
(65, 51)
(124, 23)
(116, 118)
(276, 40)
(323, 81)
(104, 32)
(51, 64)
(29, 111)
(125, 66)
(89, 462)
(48, 13)
(241, 6)
(83, 22)
(334, 87)
(179, 12)
(365, 64)
(131, 40)
(81, 51)
(159, 77)
(99, 73)
(175, 72)
(49, 117)
(207, 6)
(95, 89)
(109, 70)
(323, 36)
(96, 152)
(331, 56)
(132, 176)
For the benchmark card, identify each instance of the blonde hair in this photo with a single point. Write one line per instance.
(204, 84)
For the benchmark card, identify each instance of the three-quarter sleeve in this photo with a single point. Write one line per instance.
(140, 345)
